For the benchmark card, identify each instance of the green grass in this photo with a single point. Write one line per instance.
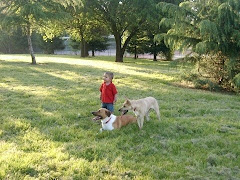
(46, 130)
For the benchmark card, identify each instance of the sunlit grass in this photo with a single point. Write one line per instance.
(101, 64)
(46, 130)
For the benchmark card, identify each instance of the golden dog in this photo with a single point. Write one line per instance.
(141, 108)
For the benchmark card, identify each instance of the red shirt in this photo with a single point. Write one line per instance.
(108, 92)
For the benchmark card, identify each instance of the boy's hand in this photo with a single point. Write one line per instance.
(115, 99)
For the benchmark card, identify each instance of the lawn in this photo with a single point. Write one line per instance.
(46, 131)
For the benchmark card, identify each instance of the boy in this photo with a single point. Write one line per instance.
(108, 95)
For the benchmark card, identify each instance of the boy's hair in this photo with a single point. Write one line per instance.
(110, 74)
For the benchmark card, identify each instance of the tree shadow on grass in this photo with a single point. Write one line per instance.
(67, 101)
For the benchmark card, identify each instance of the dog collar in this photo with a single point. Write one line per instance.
(108, 120)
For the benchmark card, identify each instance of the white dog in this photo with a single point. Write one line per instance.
(141, 108)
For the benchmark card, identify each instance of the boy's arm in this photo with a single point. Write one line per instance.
(115, 94)
(100, 89)
(115, 99)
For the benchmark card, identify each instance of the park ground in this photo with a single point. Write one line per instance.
(46, 130)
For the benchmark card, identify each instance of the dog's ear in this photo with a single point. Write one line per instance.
(128, 102)
(108, 113)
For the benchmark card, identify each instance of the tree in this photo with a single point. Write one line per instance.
(212, 29)
(145, 43)
(12, 42)
(136, 45)
(76, 28)
(48, 46)
(28, 15)
(83, 28)
(124, 19)
(98, 45)
(154, 47)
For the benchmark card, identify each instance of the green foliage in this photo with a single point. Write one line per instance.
(99, 45)
(24, 13)
(217, 78)
(30, 16)
(200, 82)
(216, 24)
(236, 82)
(145, 43)
(124, 20)
(207, 84)
(48, 46)
(189, 76)
(172, 10)
(75, 45)
(209, 28)
(208, 31)
(137, 44)
(83, 27)
(13, 42)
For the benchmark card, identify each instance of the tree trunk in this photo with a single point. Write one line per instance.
(154, 57)
(8, 48)
(82, 47)
(120, 49)
(221, 70)
(93, 53)
(155, 53)
(86, 54)
(135, 52)
(30, 46)
(119, 53)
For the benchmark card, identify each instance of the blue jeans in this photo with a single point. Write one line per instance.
(108, 106)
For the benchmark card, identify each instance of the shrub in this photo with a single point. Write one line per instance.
(207, 84)
(215, 72)
(189, 76)
(236, 82)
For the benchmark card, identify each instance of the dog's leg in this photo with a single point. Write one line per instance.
(147, 115)
(140, 120)
(158, 113)
(156, 108)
